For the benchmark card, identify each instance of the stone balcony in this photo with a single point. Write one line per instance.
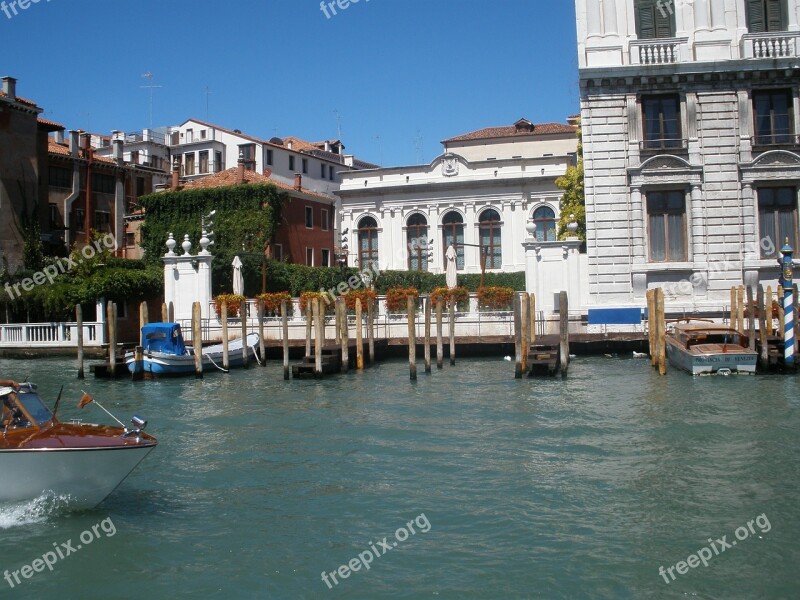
(770, 45)
(664, 51)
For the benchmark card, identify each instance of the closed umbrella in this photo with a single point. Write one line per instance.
(450, 272)
(238, 279)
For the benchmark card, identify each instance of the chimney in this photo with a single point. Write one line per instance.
(289, 144)
(117, 151)
(58, 136)
(327, 146)
(298, 182)
(176, 173)
(10, 87)
(73, 143)
(86, 141)
(240, 170)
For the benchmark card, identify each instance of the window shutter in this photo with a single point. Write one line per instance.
(775, 16)
(645, 20)
(665, 17)
(756, 22)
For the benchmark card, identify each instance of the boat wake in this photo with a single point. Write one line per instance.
(32, 511)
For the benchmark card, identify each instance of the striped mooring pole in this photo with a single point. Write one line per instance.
(788, 303)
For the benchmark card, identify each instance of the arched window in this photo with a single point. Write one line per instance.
(490, 233)
(417, 238)
(545, 219)
(453, 233)
(367, 243)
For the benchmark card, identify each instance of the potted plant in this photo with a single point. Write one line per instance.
(272, 303)
(327, 305)
(495, 298)
(364, 295)
(233, 301)
(397, 299)
(459, 295)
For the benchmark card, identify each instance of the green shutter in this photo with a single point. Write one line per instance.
(776, 15)
(645, 21)
(756, 21)
(655, 19)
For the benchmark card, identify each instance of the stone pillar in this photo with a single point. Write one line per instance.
(698, 241)
(593, 17)
(609, 17)
(187, 278)
(701, 14)
(637, 226)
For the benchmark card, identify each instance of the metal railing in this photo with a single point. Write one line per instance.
(50, 335)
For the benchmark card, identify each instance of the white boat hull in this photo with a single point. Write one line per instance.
(86, 475)
(164, 364)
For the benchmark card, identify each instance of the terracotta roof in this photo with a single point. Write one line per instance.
(50, 125)
(231, 177)
(20, 100)
(63, 150)
(521, 128)
(230, 131)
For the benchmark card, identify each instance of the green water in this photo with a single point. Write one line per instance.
(550, 488)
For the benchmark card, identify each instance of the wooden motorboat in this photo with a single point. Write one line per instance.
(705, 348)
(166, 354)
(83, 463)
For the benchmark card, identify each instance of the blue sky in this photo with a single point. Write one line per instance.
(397, 71)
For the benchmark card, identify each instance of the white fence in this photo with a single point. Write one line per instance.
(51, 335)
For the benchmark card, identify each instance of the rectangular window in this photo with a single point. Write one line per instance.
(323, 170)
(102, 221)
(202, 134)
(103, 184)
(80, 220)
(331, 174)
(666, 213)
(326, 257)
(130, 239)
(291, 163)
(55, 217)
(310, 257)
(277, 251)
(135, 157)
(323, 219)
(204, 161)
(269, 157)
(140, 186)
(188, 161)
(662, 122)
(60, 177)
(774, 118)
(309, 217)
(248, 153)
(189, 136)
(777, 219)
(766, 15)
(655, 19)
(305, 166)
(218, 164)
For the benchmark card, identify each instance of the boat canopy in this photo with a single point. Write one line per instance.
(163, 337)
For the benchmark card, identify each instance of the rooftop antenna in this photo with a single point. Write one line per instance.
(151, 87)
(338, 124)
(419, 147)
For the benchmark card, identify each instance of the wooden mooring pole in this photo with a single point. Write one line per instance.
(144, 317)
(412, 338)
(661, 348)
(740, 309)
(517, 337)
(309, 310)
(344, 334)
(751, 320)
(563, 314)
(111, 314)
(359, 337)
(317, 309)
(532, 298)
(138, 352)
(261, 346)
(223, 316)
(762, 328)
(171, 312)
(164, 313)
(439, 345)
(197, 340)
(452, 333)
(651, 325)
(524, 305)
(370, 329)
(734, 310)
(427, 334)
(243, 317)
(285, 320)
(768, 304)
(79, 324)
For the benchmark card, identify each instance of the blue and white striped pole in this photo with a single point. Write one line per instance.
(788, 304)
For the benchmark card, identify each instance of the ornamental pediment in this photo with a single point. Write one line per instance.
(660, 163)
(780, 158)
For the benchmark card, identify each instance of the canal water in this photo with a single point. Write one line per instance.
(479, 485)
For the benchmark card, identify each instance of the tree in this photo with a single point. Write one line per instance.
(573, 202)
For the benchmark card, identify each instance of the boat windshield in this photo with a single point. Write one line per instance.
(33, 412)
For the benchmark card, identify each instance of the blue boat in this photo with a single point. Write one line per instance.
(166, 354)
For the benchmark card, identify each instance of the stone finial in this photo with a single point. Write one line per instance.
(530, 227)
(171, 243)
(205, 242)
(572, 227)
(186, 245)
